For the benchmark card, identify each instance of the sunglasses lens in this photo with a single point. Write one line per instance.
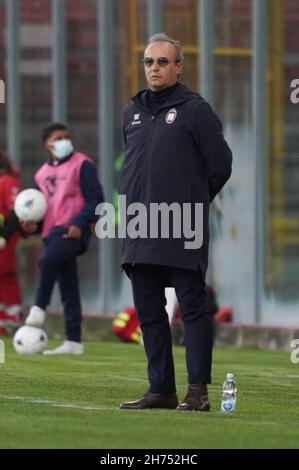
(163, 61)
(148, 62)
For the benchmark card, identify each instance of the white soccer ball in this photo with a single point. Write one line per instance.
(30, 340)
(30, 205)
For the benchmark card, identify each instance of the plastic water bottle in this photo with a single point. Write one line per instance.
(228, 398)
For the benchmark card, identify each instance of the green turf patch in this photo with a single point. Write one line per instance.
(72, 402)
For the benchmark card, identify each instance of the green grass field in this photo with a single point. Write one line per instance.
(72, 402)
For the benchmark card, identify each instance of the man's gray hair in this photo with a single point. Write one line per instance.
(163, 37)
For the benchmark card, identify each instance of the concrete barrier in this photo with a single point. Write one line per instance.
(230, 334)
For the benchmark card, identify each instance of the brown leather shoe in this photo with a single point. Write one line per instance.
(196, 399)
(152, 400)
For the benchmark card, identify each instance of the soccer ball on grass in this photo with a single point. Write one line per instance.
(30, 340)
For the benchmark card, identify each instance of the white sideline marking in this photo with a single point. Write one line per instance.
(284, 376)
(66, 405)
(57, 404)
(124, 377)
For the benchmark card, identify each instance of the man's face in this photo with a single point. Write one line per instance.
(56, 135)
(162, 73)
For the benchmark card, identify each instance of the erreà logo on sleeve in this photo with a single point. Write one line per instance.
(2, 92)
(136, 120)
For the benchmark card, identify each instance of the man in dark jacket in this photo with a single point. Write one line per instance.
(175, 157)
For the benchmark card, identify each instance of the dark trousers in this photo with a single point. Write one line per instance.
(148, 283)
(59, 263)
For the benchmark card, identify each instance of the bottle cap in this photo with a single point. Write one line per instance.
(229, 376)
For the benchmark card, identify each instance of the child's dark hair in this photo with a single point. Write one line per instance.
(5, 163)
(55, 126)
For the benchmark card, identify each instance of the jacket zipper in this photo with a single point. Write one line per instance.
(143, 178)
(145, 167)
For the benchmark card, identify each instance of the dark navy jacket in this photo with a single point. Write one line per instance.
(177, 155)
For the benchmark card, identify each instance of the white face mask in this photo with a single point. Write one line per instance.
(62, 148)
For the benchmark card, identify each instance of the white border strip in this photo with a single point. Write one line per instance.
(57, 404)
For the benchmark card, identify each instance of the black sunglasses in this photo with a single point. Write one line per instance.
(162, 61)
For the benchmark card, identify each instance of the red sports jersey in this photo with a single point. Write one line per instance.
(10, 295)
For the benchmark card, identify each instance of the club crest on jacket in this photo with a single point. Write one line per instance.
(171, 116)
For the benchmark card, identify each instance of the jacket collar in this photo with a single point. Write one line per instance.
(181, 94)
